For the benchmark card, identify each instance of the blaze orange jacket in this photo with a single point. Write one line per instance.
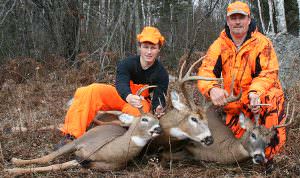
(254, 66)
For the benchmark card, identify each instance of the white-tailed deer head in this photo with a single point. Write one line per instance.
(258, 137)
(187, 123)
(184, 120)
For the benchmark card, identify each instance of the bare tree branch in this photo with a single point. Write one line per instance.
(196, 32)
(8, 11)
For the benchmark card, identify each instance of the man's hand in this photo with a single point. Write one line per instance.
(218, 96)
(159, 111)
(134, 100)
(254, 102)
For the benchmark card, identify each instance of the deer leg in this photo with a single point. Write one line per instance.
(176, 156)
(47, 158)
(103, 166)
(54, 167)
(8, 130)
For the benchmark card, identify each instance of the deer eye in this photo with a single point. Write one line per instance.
(144, 120)
(194, 119)
(253, 136)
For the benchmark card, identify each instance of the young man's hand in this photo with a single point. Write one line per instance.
(218, 96)
(134, 100)
(159, 111)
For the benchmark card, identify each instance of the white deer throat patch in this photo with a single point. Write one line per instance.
(139, 141)
(178, 133)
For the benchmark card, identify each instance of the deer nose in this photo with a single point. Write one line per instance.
(158, 130)
(258, 159)
(209, 140)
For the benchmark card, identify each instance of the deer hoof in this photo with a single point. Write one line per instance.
(154, 160)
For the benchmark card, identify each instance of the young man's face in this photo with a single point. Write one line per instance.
(149, 51)
(238, 24)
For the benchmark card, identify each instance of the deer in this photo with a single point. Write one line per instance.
(105, 147)
(181, 122)
(184, 121)
(226, 149)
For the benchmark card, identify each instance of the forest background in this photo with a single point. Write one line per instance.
(48, 48)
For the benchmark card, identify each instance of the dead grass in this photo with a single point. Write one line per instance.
(38, 99)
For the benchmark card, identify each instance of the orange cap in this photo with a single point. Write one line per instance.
(238, 7)
(151, 34)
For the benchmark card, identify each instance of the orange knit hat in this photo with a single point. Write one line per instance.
(151, 34)
(238, 7)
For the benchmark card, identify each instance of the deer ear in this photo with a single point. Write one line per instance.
(126, 119)
(176, 103)
(245, 123)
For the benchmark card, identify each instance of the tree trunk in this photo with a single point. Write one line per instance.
(137, 20)
(271, 24)
(149, 16)
(143, 12)
(71, 28)
(298, 1)
(280, 16)
(53, 22)
(260, 17)
(87, 16)
(172, 28)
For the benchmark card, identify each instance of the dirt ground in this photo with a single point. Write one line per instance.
(34, 94)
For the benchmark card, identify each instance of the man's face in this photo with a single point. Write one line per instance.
(238, 24)
(149, 51)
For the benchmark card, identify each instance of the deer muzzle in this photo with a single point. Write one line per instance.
(208, 140)
(155, 131)
(258, 159)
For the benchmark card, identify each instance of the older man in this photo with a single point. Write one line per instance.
(246, 56)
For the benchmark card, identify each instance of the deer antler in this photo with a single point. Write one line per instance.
(187, 77)
(287, 114)
(231, 97)
(140, 91)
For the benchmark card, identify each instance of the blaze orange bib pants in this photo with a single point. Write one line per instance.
(90, 99)
(269, 116)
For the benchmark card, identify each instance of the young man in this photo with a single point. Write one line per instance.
(245, 55)
(132, 74)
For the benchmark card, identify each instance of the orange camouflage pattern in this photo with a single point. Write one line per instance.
(255, 54)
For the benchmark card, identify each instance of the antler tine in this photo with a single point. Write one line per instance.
(140, 91)
(287, 114)
(187, 76)
(200, 78)
(231, 85)
(181, 70)
(114, 112)
(193, 65)
(231, 97)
